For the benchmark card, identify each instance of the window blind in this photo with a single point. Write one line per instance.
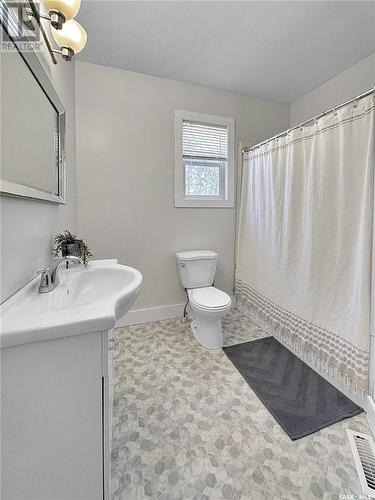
(203, 141)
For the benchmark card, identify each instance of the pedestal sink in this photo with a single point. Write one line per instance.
(88, 299)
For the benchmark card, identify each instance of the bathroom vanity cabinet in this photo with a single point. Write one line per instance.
(56, 383)
(56, 418)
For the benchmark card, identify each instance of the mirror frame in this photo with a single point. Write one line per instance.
(20, 190)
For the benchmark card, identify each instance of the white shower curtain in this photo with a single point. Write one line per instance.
(303, 269)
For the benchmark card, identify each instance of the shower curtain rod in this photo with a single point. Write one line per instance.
(314, 118)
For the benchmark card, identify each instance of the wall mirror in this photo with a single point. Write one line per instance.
(32, 127)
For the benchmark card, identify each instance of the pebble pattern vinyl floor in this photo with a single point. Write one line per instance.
(187, 426)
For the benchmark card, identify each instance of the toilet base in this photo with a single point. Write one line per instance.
(208, 332)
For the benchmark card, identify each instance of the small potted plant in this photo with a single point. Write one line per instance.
(67, 243)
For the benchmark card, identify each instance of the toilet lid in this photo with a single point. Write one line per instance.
(210, 297)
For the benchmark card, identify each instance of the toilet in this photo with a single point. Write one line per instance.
(208, 304)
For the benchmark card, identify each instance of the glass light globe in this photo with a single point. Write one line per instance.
(72, 35)
(69, 8)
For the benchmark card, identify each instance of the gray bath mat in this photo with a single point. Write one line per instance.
(299, 399)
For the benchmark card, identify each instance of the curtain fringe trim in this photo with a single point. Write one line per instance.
(338, 366)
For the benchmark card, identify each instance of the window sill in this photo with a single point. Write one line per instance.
(189, 203)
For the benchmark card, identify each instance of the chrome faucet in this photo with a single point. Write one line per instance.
(50, 277)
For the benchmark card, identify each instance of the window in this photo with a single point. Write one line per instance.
(204, 160)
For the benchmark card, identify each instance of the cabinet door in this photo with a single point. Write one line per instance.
(107, 408)
(51, 420)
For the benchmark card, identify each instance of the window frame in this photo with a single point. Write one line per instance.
(227, 199)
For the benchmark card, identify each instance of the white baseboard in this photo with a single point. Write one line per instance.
(137, 316)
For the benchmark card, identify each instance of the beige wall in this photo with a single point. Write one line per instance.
(28, 226)
(344, 86)
(125, 157)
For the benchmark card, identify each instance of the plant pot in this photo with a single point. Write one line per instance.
(71, 248)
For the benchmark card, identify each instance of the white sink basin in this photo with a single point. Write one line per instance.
(88, 299)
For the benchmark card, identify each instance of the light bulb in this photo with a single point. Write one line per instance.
(68, 8)
(72, 36)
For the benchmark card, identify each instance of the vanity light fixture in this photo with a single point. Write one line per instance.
(71, 39)
(69, 35)
(61, 11)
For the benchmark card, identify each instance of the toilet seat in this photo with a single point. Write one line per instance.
(209, 298)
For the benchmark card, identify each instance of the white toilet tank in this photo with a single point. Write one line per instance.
(197, 268)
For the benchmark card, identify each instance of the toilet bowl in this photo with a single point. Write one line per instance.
(208, 304)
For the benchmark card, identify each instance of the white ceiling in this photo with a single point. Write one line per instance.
(274, 50)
